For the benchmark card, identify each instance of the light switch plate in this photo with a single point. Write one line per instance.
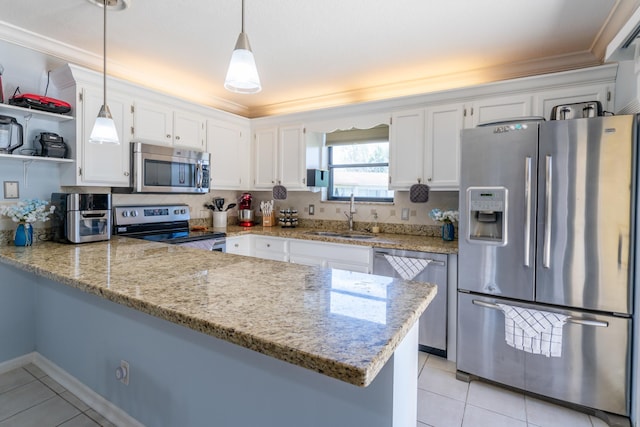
(11, 190)
(405, 214)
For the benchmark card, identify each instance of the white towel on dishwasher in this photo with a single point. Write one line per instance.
(406, 267)
(533, 331)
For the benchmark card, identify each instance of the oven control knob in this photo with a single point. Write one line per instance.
(183, 211)
(176, 211)
(134, 213)
(125, 214)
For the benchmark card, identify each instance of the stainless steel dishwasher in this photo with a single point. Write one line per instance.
(422, 267)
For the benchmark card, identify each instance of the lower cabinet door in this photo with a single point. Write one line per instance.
(481, 347)
(594, 368)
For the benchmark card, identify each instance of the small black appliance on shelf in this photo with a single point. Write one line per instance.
(51, 145)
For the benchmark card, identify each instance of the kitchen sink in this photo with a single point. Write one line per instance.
(345, 235)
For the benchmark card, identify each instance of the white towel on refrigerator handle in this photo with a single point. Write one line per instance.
(533, 331)
(406, 267)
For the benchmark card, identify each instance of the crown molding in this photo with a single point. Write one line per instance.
(433, 84)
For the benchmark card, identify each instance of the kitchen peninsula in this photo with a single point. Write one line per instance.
(174, 314)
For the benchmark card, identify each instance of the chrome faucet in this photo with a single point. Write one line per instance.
(352, 210)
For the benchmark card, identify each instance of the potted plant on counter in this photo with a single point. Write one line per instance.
(447, 218)
(25, 213)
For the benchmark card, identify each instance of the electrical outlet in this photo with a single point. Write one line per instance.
(405, 214)
(11, 190)
(122, 372)
(414, 213)
(312, 210)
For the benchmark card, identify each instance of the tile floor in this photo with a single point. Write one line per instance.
(444, 401)
(29, 398)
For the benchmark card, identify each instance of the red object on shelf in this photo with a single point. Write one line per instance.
(37, 102)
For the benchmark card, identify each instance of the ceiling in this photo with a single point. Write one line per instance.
(314, 54)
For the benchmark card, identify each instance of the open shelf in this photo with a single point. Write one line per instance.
(34, 158)
(30, 112)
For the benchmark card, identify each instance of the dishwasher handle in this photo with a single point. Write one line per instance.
(381, 254)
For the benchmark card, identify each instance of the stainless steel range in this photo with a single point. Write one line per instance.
(164, 223)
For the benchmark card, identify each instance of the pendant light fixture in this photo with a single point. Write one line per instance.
(242, 75)
(104, 129)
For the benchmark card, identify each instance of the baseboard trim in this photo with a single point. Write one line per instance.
(18, 362)
(105, 408)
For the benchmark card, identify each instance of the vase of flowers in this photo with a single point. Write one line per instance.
(25, 213)
(447, 218)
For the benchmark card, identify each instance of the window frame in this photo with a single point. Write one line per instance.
(331, 167)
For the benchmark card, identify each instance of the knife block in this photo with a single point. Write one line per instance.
(268, 220)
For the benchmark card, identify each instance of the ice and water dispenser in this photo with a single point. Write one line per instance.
(487, 215)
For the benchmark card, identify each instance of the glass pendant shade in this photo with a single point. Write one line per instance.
(242, 75)
(104, 129)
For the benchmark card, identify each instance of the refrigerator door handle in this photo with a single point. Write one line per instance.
(527, 211)
(546, 256)
(576, 320)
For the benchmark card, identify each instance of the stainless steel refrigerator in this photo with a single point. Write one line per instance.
(545, 258)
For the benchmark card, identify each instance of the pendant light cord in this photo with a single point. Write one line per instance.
(242, 31)
(104, 54)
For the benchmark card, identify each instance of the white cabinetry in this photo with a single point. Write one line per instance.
(500, 108)
(406, 149)
(100, 164)
(442, 146)
(95, 164)
(228, 144)
(239, 245)
(425, 142)
(280, 157)
(158, 123)
(332, 255)
(548, 99)
(274, 248)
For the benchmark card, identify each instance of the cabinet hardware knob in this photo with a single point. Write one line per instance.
(268, 245)
(178, 137)
(168, 135)
(429, 179)
(126, 173)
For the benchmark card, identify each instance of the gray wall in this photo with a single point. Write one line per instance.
(17, 315)
(178, 376)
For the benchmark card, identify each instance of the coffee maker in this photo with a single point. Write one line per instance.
(245, 213)
(10, 134)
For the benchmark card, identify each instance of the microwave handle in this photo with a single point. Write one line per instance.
(199, 175)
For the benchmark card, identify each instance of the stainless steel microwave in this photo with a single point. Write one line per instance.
(158, 169)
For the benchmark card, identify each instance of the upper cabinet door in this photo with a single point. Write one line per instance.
(548, 99)
(152, 122)
(106, 164)
(189, 130)
(442, 154)
(230, 159)
(496, 109)
(406, 149)
(265, 160)
(292, 157)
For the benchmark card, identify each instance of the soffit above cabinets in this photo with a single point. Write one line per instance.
(317, 54)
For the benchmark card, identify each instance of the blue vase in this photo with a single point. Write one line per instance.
(24, 235)
(448, 231)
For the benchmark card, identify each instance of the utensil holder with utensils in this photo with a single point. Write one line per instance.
(268, 220)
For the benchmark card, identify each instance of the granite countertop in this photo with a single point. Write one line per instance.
(382, 240)
(342, 324)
